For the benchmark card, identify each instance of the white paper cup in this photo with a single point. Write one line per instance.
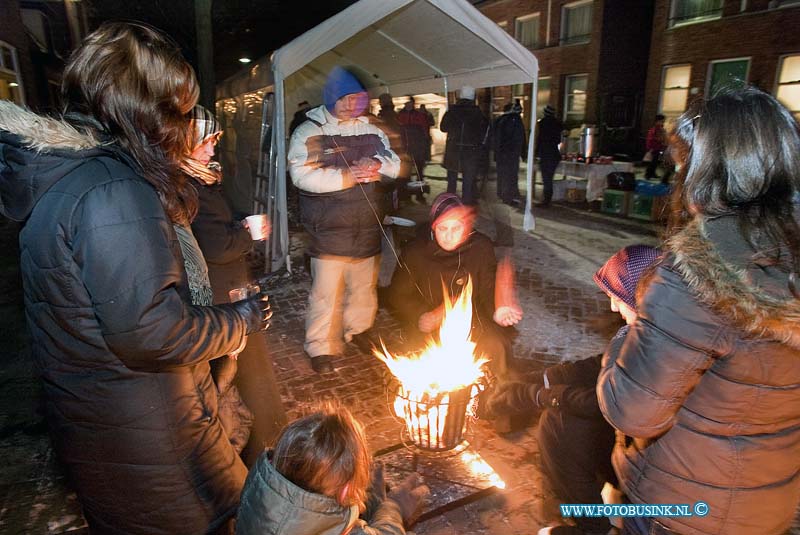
(255, 224)
(239, 294)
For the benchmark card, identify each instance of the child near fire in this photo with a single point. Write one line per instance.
(316, 481)
(575, 441)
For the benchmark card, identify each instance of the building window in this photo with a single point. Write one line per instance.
(575, 98)
(726, 73)
(576, 23)
(10, 81)
(788, 91)
(527, 30)
(542, 95)
(674, 90)
(692, 11)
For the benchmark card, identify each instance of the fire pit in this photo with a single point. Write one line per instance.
(435, 423)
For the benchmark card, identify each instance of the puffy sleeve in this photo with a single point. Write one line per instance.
(305, 168)
(125, 249)
(648, 373)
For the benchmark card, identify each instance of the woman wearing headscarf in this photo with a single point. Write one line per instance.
(225, 242)
(122, 353)
(707, 379)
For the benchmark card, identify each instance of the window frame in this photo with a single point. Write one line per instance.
(662, 89)
(15, 71)
(710, 70)
(526, 18)
(778, 83)
(565, 113)
(671, 23)
(562, 38)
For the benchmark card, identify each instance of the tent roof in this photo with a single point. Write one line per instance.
(409, 46)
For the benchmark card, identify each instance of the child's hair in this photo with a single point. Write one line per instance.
(326, 452)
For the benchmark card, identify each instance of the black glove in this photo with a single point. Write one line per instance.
(255, 312)
(516, 398)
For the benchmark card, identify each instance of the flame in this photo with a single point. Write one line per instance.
(430, 378)
(481, 468)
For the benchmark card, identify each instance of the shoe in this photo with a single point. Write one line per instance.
(365, 341)
(322, 363)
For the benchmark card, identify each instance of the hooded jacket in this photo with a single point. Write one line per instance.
(273, 505)
(342, 219)
(122, 354)
(708, 380)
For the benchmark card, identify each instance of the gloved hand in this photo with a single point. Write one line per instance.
(513, 397)
(376, 492)
(409, 497)
(255, 311)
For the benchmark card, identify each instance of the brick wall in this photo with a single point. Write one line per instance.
(759, 33)
(13, 33)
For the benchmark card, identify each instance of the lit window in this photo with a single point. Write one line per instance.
(576, 23)
(527, 30)
(542, 95)
(575, 98)
(10, 81)
(691, 11)
(789, 84)
(674, 90)
(727, 73)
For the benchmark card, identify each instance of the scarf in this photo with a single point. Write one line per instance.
(196, 267)
(207, 175)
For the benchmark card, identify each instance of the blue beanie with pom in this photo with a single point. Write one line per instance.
(340, 83)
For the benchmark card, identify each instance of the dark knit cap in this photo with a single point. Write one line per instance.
(340, 83)
(620, 275)
(443, 203)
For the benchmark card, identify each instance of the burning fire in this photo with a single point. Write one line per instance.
(441, 376)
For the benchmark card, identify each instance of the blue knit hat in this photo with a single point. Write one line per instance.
(620, 275)
(340, 83)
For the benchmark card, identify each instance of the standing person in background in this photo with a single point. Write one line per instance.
(122, 353)
(336, 159)
(656, 144)
(707, 379)
(508, 136)
(431, 122)
(546, 150)
(467, 132)
(225, 243)
(415, 127)
(299, 116)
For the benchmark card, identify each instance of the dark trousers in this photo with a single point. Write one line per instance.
(470, 162)
(507, 177)
(576, 460)
(548, 168)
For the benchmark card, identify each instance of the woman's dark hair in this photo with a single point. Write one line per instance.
(739, 154)
(326, 452)
(135, 83)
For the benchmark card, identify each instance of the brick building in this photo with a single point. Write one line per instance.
(593, 57)
(699, 46)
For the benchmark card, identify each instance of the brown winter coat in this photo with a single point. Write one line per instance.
(708, 379)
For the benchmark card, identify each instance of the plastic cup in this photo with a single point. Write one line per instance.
(239, 294)
(255, 224)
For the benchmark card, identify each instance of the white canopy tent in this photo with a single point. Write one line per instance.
(399, 46)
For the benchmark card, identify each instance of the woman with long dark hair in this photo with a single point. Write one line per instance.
(707, 379)
(122, 353)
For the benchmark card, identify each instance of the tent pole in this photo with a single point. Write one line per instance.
(446, 94)
(528, 220)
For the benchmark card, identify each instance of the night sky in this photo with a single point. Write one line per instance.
(252, 28)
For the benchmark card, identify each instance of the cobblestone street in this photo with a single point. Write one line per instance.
(566, 317)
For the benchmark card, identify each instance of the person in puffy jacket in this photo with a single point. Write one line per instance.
(575, 441)
(317, 481)
(707, 379)
(122, 354)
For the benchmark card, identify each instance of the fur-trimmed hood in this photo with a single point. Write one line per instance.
(35, 153)
(719, 267)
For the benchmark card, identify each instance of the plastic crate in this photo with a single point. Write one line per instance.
(648, 207)
(616, 202)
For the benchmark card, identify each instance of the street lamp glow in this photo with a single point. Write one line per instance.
(245, 60)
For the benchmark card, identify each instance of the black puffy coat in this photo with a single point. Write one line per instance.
(708, 381)
(467, 132)
(122, 355)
